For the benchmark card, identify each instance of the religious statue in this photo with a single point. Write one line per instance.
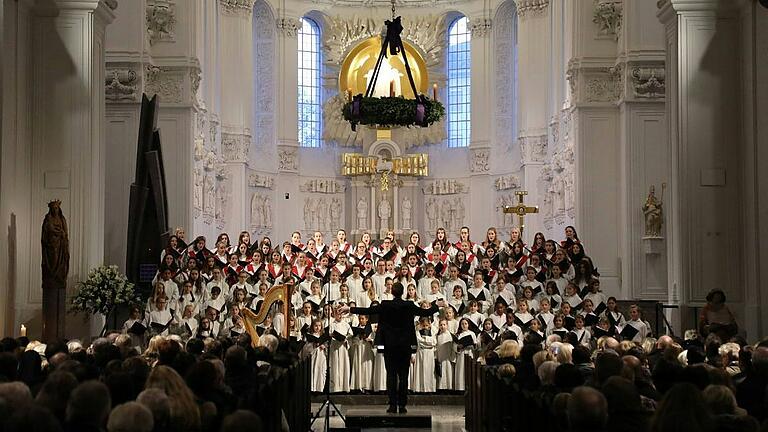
(322, 214)
(308, 213)
(406, 208)
(210, 193)
(432, 213)
(445, 212)
(385, 210)
(267, 211)
(198, 192)
(257, 210)
(55, 268)
(335, 213)
(652, 210)
(362, 213)
(460, 212)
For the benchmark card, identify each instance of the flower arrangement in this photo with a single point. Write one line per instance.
(103, 292)
(393, 111)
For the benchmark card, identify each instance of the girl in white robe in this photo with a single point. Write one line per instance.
(361, 353)
(423, 380)
(318, 357)
(464, 331)
(446, 356)
(379, 371)
(134, 317)
(339, 379)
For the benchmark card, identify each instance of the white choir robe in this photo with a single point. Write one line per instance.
(339, 379)
(136, 340)
(453, 325)
(159, 317)
(446, 355)
(355, 285)
(318, 367)
(425, 286)
(379, 283)
(379, 370)
(332, 290)
(362, 300)
(484, 305)
(361, 353)
(423, 370)
(301, 320)
(459, 370)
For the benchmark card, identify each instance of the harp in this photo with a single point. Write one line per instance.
(280, 293)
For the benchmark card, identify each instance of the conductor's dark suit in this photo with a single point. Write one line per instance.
(397, 333)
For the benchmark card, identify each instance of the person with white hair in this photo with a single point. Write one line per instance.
(130, 417)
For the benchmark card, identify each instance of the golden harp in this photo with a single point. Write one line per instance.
(278, 293)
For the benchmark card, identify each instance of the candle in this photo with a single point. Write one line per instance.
(349, 94)
(23, 331)
(434, 91)
(392, 88)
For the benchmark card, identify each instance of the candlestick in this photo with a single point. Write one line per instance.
(434, 91)
(349, 94)
(23, 331)
(392, 88)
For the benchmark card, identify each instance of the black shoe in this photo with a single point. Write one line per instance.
(403, 410)
(392, 409)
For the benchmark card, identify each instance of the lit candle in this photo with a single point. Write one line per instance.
(392, 88)
(434, 91)
(349, 94)
(23, 331)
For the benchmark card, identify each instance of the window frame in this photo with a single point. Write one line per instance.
(459, 88)
(309, 109)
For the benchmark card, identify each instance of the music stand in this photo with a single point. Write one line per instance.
(327, 403)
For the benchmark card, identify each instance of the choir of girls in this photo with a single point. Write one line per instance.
(494, 290)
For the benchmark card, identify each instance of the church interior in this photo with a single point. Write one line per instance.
(625, 133)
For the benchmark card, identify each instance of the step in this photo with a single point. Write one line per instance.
(373, 418)
(381, 399)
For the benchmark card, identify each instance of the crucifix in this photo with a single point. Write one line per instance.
(521, 210)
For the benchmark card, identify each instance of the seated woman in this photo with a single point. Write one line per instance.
(716, 318)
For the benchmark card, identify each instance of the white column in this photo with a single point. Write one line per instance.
(643, 158)
(534, 65)
(68, 136)
(287, 123)
(704, 228)
(236, 68)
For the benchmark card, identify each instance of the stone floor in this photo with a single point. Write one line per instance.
(445, 418)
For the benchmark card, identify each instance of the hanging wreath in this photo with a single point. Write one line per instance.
(392, 111)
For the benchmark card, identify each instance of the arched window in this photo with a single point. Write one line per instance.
(310, 118)
(459, 61)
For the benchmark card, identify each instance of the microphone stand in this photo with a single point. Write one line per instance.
(327, 403)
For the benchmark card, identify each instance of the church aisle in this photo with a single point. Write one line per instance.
(445, 418)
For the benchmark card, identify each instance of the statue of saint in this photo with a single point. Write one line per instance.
(55, 268)
(385, 210)
(362, 213)
(652, 210)
(406, 208)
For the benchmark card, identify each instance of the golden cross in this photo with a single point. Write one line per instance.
(521, 210)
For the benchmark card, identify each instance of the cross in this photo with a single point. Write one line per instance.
(521, 210)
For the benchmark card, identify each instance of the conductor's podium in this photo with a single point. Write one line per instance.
(377, 418)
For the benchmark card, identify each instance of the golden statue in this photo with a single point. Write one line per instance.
(652, 210)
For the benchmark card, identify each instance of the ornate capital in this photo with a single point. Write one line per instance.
(122, 84)
(166, 83)
(161, 21)
(533, 149)
(608, 16)
(288, 26)
(527, 8)
(648, 82)
(234, 146)
(288, 159)
(480, 27)
(236, 6)
(479, 160)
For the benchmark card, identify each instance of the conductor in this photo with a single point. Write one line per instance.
(397, 334)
